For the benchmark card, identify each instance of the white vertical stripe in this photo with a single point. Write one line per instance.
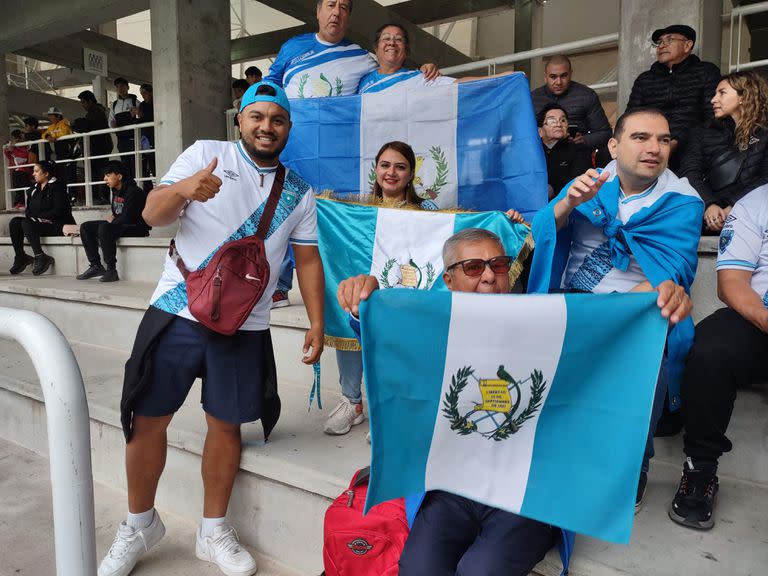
(424, 117)
(529, 338)
(402, 236)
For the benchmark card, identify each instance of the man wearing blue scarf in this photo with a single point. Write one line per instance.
(632, 227)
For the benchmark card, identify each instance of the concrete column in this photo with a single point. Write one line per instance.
(523, 32)
(5, 132)
(100, 85)
(191, 73)
(639, 18)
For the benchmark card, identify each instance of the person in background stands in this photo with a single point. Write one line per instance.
(678, 84)
(238, 89)
(47, 211)
(101, 144)
(124, 221)
(728, 157)
(31, 129)
(121, 114)
(252, 75)
(145, 112)
(565, 159)
(581, 103)
(18, 156)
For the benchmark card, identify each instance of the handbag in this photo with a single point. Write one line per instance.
(222, 295)
(725, 169)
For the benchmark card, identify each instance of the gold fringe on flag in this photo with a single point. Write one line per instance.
(343, 344)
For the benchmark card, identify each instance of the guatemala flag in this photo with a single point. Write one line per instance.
(400, 247)
(476, 143)
(538, 405)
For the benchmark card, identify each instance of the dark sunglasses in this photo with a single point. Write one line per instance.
(474, 267)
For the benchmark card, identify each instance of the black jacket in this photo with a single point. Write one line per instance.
(565, 161)
(583, 108)
(51, 203)
(97, 119)
(127, 205)
(683, 93)
(711, 149)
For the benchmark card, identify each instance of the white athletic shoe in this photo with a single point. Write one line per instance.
(343, 417)
(224, 550)
(130, 545)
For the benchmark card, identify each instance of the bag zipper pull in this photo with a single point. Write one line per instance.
(350, 496)
(216, 294)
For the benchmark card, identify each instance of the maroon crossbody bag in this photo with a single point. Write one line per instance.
(222, 295)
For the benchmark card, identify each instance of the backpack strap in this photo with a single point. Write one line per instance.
(274, 196)
(361, 477)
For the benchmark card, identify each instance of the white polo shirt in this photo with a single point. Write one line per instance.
(744, 240)
(232, 214)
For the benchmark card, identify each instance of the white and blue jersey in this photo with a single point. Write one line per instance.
(233, 214)
(744, 240)
(307, 67)
(377, 82)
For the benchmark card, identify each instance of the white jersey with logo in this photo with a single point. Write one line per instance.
(589, 266)
(307, 67)
(233, 214)
(744, 240)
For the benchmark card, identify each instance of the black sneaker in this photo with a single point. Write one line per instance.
(695, 498)
(641, 484)
(93, 271)
(110, 275)
(42, 263)
(20, 264)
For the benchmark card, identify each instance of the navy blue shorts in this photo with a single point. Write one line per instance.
(233, 370)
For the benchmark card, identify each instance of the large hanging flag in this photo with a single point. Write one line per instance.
(476, 143)
(399, 247)
(538, 405)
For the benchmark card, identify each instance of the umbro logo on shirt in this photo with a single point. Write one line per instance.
(231, 175)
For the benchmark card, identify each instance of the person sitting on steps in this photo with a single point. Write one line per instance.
(47, 211)
(124, 221)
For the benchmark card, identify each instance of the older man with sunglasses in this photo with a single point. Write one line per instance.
(452, 534)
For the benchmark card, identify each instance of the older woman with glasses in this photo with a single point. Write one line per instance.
(391, 47)
(728, 157)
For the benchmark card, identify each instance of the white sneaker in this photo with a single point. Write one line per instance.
(130, 545)
(343, 417)
(224, 550)
(368, 436)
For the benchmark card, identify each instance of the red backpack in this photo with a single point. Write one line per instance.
(357, 545)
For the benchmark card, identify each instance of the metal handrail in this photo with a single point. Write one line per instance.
(69, 440)
(567, 47)
(86, 158)
(739, 12)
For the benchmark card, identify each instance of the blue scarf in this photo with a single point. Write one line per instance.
(663, 238)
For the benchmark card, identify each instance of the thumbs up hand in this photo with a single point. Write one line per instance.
(203, 184)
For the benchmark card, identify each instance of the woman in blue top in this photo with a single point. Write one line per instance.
(391, 47)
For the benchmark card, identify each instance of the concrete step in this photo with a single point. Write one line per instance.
(26, 527)
(285, 485)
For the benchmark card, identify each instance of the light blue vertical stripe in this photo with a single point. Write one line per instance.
(501, 163)
(324, 144)
(345, 238)
(592, 430)
(402, 413)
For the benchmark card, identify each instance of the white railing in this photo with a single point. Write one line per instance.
(29, 79)
(737, 18)
(604, 41)
(69, 440)
(90, 180)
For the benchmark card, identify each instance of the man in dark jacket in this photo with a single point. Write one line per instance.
(565, 159)
(101, 144)
(580, 103)
(678, 84)
(125, 220)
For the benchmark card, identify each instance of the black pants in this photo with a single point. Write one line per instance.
(455, 536)
(726, 355)
(21, 226)
(127, 145)
(100, 232)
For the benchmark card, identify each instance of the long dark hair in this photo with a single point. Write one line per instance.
(407, 152)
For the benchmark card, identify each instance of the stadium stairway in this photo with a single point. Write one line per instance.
(285, 485)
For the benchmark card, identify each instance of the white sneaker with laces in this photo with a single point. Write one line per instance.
(224, 550)
(343, 417)
(129, 545)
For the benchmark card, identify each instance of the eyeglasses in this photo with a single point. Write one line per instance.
(393, 39)
(666, 41)
(555, 121)
(474, 267)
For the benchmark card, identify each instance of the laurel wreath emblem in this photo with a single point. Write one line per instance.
(511, 424)
(441, 172)
(339, 86)
(389, 264)
(302, 83)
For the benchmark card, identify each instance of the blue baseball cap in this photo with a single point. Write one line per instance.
(279, 98)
